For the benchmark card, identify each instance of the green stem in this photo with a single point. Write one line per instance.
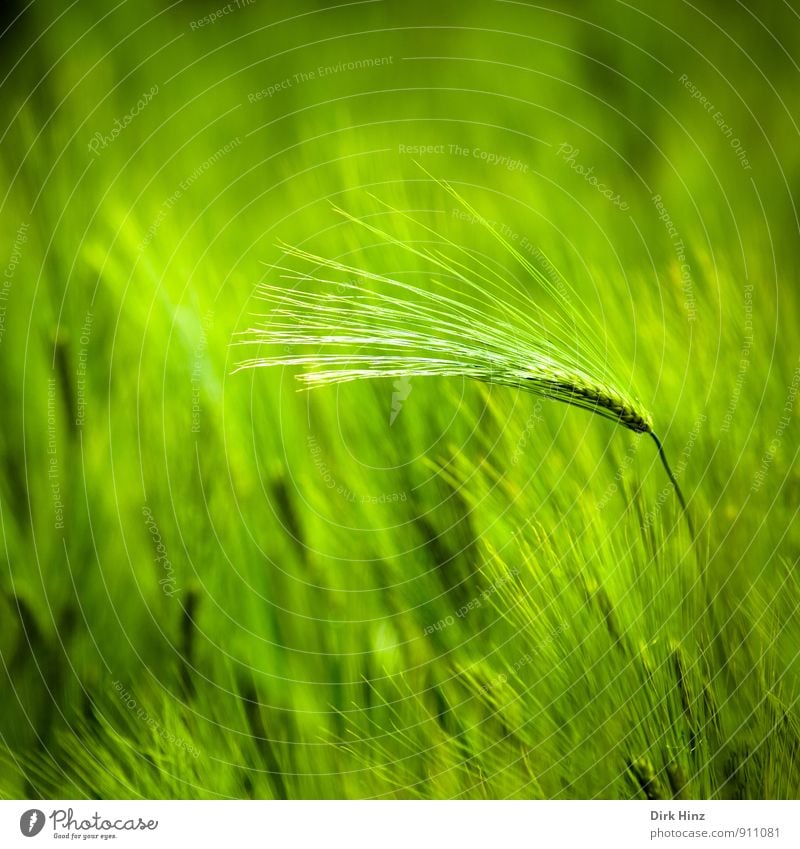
(674, 483)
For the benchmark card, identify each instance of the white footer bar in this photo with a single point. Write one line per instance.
(384, 824)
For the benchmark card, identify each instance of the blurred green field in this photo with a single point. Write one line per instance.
(216, 586)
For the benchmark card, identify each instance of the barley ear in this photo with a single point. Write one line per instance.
(466, 321)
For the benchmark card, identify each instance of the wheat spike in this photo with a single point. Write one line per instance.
(341, 323)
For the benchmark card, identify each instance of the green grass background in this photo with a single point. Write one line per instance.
(303, 645)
